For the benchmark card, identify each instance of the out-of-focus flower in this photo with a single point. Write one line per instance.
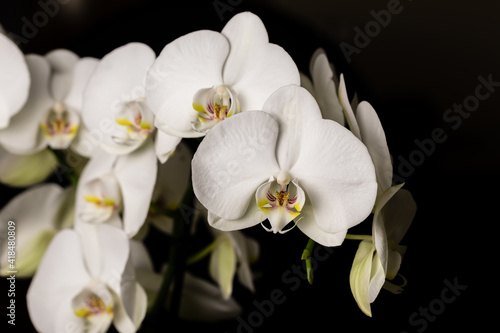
(14, 80)
(370, 266)
(233, 252)
(114, 184)
(323, 86)
(200, 300)
(205, 76)
(26, 170)
(51, 115)
(38, 213)
(249, 168)
(82, 284)
(115, 102)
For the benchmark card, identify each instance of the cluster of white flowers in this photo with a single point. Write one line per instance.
(274, 147)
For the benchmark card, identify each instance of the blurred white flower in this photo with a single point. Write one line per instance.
(285, 164)
(51, 115)
(111, 185)
(38, 213)
(82, 284)
(14, 80)
(115, 103)
(205, 76)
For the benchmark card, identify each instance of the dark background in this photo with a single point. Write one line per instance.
(427, 59)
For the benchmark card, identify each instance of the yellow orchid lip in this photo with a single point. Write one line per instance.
(102, 203)
(60, 127)
(133, 127)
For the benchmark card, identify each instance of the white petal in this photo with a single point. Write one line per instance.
(26, 170)
(136, 174)
(292, 106)
(232, 161)
(348, 111)
(393, 264)
(34, 212)
(82, 73)
(14, 80)
(23, 134)
(306, 83)
(374, 138)
(325, 91)
(255, 68)
(244, 272)
(130, 311)
(60, 276)
(118, 79)
(62, 64)
(337, 173)
(165, 145)
(186, 65)
(252, 216)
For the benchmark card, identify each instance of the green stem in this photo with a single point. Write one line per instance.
(358, 237)
(202, 253)
(65, 168)
(306, 255)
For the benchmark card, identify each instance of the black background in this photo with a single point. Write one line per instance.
(428, 58)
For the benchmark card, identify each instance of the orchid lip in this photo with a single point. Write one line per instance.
(60, 126)
(94, 304)
(133, 127)
(214, 105)
(281, 201)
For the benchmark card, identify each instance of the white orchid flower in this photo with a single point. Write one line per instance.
(205, 76)
(285, 164)
(200, 300)
(14, 80)
(370, 266)
(111, 185)
(38, 213)
(115, 102)
(83, 284)
(26, 170)
(232, 254)
(51, 115)
(323, 86)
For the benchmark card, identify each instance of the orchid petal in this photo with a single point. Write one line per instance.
(348, 111)
(31, 221)
(26, 170)
(165, 145)
(252, 216)
(60, 276)
(374, 138)
(380, 238)
(117, 81)
(130, 311)
(23, 134)
(393, 264)
(292, 107)
(322, 75)
(184, 66)
(240, 243)
(62, 63)
(254, 67)
(360, 276)
(14, 81)
(136, 187)
(223, 266)
(223, 179)
(398, 215)
(82, 73)
(337, 174)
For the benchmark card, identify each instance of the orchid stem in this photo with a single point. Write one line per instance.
(358, 237)
(306, 255)
(202, 253)
(64, 167)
